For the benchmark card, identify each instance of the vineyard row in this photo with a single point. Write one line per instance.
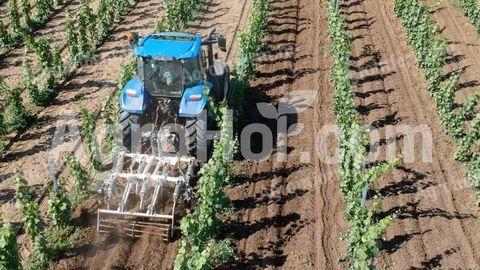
(461, 122)
(355, 179)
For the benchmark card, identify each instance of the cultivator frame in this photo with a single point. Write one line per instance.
(148, 177)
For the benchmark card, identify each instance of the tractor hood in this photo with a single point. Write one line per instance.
(194, 100)
(170, 45)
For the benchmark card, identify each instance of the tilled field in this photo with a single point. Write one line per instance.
(289, 208)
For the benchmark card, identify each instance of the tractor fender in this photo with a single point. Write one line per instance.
(191, 107)
(133, 98)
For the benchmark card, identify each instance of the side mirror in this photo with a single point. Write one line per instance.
(222, 43)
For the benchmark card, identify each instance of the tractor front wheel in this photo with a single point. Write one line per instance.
(130, 125)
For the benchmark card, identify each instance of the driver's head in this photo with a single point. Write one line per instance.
(168, 77)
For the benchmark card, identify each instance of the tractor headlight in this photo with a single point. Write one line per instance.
(131, 92)
(195, 97)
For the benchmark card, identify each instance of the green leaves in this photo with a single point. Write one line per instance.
(471, 9)
(5, 39)
(9, 254)
(80, 189)
(18, 118)
(88, 132)
(14, 26)
(250, 40)
(71, 37)
(178, 13)
(85, 31)
(105, 18)
(59, 210)
(42, 87)
(365, 231)
(110, 110)
(198, 248)
(421, 31)
(31, 219)
(44, 10)
(250, 45)
(430, 50)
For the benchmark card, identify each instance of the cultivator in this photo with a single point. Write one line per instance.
(144, 200)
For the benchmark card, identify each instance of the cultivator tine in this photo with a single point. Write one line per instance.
(145, 172)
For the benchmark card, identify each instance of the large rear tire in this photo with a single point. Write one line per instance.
(195, 131)
(130, 125)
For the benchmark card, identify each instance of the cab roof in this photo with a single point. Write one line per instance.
(172, 45)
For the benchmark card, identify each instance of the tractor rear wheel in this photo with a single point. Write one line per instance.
(194, 133)
(130, 125)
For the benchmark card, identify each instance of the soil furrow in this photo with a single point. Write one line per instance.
(329, 204)
(392, 92)
(11, 63)
(288, 212)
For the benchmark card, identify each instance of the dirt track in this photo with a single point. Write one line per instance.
(437, 220)
(289, 213)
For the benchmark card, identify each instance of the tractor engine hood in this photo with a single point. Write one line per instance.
(194, 100)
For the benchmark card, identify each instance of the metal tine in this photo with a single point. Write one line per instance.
(144, 188)
(158, 189)
(157, 167)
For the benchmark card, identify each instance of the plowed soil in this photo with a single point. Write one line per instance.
(289, 209)
(437, 222)
(152, 252)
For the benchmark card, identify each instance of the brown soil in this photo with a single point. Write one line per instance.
(11, 62)
(290, 211)
(151, 252)
(437, 220)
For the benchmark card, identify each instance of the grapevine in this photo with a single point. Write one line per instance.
(200, 228)
(59, 209)
(365, 229)
(421, 34)
(18, 117)
(14, 26)
(9, 254)
(5, 38)
(251, 43)
(110, 110)
(80, 178)
(44, 10)
(26, 10)
(71, 40)
(178, 13)
(88, 132)
(471, 9)
(85, 22)
(199, 248)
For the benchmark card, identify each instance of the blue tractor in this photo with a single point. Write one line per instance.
(175, 77)
(175, 83)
